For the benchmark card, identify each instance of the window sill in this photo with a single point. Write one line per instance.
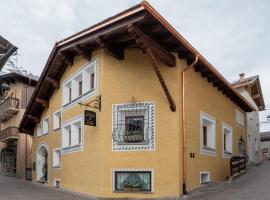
(208, 151)
(73, 148)
(208, 148)
(57, 166)
(227, 152)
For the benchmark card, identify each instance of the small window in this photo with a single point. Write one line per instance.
(227, 140)
(57, 183)
(204, 177)
(57, 158)
(133, 181)
(80, 88)
(57, 121)
(208, 134)
(92, 81)
(45, 126)
(133, 126)
(39, 130)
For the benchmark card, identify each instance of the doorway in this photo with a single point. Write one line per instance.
(42, 164)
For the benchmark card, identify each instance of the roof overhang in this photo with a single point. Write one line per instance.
(114, 35)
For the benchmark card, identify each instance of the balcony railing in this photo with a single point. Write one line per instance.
(8, 134)
(8, 108)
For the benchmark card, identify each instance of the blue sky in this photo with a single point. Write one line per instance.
(233, 35)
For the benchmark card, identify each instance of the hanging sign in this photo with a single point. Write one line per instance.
(89, 118)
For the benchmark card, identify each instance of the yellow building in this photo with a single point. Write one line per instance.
(128, 108)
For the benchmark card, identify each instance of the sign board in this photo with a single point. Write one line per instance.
(89, 118)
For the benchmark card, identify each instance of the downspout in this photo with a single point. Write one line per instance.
(184, 189)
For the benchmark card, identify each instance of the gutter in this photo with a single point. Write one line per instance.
(184, 177)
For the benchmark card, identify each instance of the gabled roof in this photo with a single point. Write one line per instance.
(254, 85)
(114, 34)
(24, 78)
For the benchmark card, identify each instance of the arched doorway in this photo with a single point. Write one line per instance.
(42, 164)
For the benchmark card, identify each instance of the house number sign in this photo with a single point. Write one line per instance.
(89, 118)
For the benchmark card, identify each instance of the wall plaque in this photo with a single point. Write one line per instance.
(89, 118)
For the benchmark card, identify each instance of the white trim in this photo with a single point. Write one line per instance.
(45, 118)
(75, 148)
(54, 182)
(203, 150)
(205, 172)
(134, 147)
(151, 170)
(45, 145)
(88, 94)
(60, 160)
(57, 128)
(227, 155)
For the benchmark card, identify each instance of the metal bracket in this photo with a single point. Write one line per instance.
(95, 103)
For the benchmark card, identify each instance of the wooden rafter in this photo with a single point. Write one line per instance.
(67, 57)
(43, 102)
(34, 118)
(113, 50)
(161, 80)
(86, 54)
(145, 42)
(55, 83)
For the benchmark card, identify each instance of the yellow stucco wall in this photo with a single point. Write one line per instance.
(119, 81)
(202, 96)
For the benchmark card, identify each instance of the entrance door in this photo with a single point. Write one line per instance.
(8, 163)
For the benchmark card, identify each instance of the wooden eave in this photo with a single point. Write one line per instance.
(114, 36)
(12, 77)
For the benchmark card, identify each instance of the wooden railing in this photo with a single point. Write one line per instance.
(10, 132)
(238, 164)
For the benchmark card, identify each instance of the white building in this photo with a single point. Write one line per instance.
(250, 88)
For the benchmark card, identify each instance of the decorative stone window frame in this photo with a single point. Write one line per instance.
(86, 92)
(60, 159)
(116, 146)
(211, 150)
(227, 154)
(151, 170)
(54, 118)
(205, 173)
(74, 148)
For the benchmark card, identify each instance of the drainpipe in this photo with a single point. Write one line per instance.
(184, 124)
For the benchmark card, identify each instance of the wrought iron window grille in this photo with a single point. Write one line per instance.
(132, 124)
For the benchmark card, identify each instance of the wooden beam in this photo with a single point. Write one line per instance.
(113, 50)
(145, 42)
(34, 118)
(218, 84)
(207, 74)
(212, 79)
(55, 83)
(256, 96)
(86, 54)
(200, 68)
(43, 102)
(67, 57)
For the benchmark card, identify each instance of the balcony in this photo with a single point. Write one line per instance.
(8, 108)
(9, 134)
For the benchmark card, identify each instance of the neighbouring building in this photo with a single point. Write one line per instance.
(250, 89)
(128, 108)
(265, 145)
(16, 90)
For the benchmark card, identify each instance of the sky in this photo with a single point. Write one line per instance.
(234, 36)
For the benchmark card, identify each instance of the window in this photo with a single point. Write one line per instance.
(133, 126)
(204, 177)
(208, 134)
(240, 119)
(56, 157)
(57, 183)
(227, 135)
(72, 135)
(81, 85)
(57, 121)
(39, 130)
(132, 181)
(45, 126)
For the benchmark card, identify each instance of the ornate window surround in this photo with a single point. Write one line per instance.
(116, 146)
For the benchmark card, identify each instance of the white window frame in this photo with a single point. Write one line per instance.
(60, 158)
(43, 121)
(208, 150)
(39, 130)
(71, 123)
(209, 176)
(227, 154)
(116, 146)
(151, 170)
(54, 182)
(56, 120)
(240, 118)
(92, 67)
